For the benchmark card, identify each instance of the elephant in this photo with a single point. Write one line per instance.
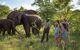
(7, 25)
(26, 18)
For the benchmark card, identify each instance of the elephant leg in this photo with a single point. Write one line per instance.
(27, 30)
(13, 31)
(9, 31)
(0, 30)
(26, 24)
(13, 28)
(4, 32)
(37, 31)
(33, 31)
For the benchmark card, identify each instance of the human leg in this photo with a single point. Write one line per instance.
(43, 35)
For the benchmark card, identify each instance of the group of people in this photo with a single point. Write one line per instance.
(61, 31)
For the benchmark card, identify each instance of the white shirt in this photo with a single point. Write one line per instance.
(47, 24)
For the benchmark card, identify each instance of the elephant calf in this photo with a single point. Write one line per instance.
(7, 25)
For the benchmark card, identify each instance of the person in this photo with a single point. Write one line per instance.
(46, 30)
(57, 35)
(66, 24)
(65, 30)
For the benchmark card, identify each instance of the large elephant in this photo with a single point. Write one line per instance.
(26, 18)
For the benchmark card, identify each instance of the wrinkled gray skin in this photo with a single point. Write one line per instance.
(7, 25)
(26, 20)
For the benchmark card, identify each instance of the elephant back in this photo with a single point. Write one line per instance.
(32, 18)
(30, 12)
(15, 16)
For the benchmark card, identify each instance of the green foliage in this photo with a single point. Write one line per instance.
(75, 21)
(62, 7)
(46, 9)
(61, 4)
(21, 9)
(4, 10)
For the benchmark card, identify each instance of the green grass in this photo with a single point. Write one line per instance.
(19, 42)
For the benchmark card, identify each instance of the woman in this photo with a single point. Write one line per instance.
(65, 32)
(57, 33)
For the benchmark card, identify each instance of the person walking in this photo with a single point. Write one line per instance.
(46, 30)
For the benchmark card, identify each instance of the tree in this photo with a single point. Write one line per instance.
(4, 10)
(62, 7)
(21, 9)
(48, 8)
(75, 22)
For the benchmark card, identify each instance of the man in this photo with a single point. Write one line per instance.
(46, 30)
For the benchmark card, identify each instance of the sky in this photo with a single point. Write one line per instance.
(18, 3)
(27, 4)
(75, 3)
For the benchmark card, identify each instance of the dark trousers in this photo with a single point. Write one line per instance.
(45, 34)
